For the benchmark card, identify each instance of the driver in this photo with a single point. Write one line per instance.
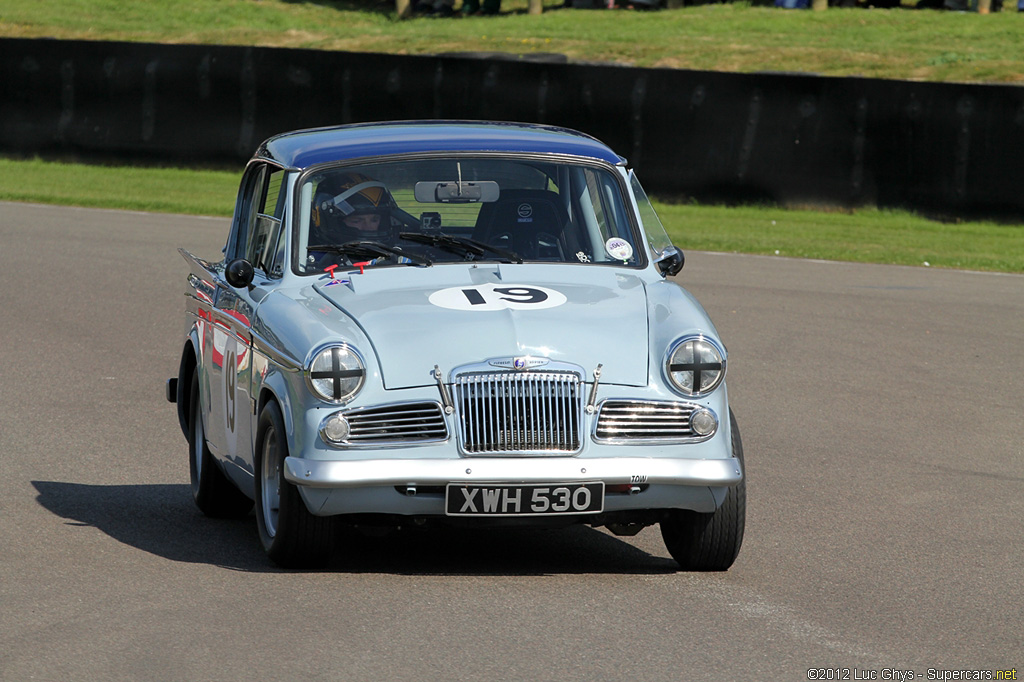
(353, 207)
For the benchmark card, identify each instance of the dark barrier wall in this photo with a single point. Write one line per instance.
(775, 137)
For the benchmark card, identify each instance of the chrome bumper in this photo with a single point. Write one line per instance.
(432, 472)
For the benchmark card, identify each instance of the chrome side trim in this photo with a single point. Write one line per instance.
(261, 345)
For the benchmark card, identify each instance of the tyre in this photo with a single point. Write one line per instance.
(290, 535)
(213, 493)
(710, 542)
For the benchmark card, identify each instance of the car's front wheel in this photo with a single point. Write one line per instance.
(291, 536)
(212, 492)
(710, 542)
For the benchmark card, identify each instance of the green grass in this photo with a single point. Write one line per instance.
(862, 236)
(902, 43)
(158, 190)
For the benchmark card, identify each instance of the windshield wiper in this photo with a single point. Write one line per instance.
(369, 250)
(464, 246)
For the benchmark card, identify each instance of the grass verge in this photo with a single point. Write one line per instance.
(159, 190)
(900, 43)
(867, 236)
(862, 236)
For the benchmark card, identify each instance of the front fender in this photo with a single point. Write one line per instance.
(187, 365)
(274, 382)
(672, 312)
(287, 328)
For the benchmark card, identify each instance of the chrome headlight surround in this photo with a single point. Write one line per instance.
(335, 373)
(695, 365)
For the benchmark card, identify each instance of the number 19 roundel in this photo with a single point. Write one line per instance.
(485, 297)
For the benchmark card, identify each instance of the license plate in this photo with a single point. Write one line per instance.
(545, 499)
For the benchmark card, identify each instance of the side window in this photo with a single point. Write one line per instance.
(597, 203)
(261, 205)
(266, 236)
(268, 242)
(603, 217)
(274, 203)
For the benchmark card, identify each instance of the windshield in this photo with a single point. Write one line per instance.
(430, 211)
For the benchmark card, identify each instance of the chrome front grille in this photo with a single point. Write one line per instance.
(396, 424)
(518, 412)
(631, 420)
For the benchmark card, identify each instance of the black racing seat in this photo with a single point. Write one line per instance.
(531, 223)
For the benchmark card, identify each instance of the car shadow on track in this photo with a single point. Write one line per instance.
(161, 520)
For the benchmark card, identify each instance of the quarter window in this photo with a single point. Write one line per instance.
(259, 237)
(658, 240)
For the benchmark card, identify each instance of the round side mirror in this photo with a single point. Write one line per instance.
(239, 273)
(672, 264)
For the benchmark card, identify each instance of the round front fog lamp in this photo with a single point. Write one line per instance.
(335, 429)
(703, 422)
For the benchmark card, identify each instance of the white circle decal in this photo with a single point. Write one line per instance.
(618, 248)
(486, 297)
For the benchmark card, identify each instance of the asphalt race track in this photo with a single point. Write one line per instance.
(881, 412)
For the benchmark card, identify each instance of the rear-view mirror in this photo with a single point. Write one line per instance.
(455, 192)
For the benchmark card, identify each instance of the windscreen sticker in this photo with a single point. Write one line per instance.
(619, 248)
(487, 297)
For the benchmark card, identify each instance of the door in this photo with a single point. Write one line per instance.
(256, 236)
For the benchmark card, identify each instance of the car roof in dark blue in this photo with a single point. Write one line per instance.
(304, 148)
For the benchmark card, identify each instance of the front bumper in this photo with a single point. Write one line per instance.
(415, 487)
(411, 481)
(715, 473)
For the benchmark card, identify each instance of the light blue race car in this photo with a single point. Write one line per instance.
(443, 322)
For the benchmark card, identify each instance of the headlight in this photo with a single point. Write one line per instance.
(695, 365)
(336, 373)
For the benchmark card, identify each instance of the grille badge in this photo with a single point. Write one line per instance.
(520, 362)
